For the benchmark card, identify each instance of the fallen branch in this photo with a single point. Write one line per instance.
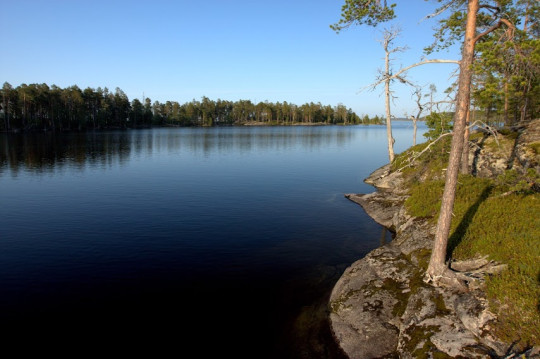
(415, 157)
(488, 129)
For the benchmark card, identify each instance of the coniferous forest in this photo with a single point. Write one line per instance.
(40, 107)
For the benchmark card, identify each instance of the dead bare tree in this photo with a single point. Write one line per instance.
(422, 106)
(418, 94)
(386, 76)
(388, 37)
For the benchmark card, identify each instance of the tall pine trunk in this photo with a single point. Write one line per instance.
(465, 153)
(437, 266)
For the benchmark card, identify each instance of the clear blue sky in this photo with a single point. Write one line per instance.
(280, 50)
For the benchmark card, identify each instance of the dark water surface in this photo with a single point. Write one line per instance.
(222, 242)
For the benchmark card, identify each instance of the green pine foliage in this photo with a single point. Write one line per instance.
(438, 123)
(39, 107)
(495, 217)
(360, 12)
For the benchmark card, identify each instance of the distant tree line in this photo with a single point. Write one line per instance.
(51, 108)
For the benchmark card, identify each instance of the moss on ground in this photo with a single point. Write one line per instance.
(498, 217)
(419, 343)
(395, 289)
(340, 303)
(429, 166)
(535, 147)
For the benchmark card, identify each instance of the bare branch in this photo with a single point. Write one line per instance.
(438, 12)
(494, 9)
(437, 103)
(403, 80)
(487, 129)
(397, 74)
(418, 93)
(398, 49)
(434, 61)
(416, 156)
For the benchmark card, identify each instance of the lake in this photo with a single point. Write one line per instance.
(223, 242)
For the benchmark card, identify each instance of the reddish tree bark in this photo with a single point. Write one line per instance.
(437, 267)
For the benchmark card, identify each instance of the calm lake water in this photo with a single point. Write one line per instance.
(223, 242)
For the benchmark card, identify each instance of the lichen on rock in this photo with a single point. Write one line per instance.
(381, 307)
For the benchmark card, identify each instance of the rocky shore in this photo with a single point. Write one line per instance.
(381, 307)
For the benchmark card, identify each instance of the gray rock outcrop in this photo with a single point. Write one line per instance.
(381, 307)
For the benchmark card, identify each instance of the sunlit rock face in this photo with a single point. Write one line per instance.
(381, 307)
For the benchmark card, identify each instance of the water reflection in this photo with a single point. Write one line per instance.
(386, 236)
(240, 140)
(48, 152)
(194, 227)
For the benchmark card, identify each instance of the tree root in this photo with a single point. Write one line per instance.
(477, 268)
(449, 279)
(464, 275)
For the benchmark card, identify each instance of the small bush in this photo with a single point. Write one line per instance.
(438, 123)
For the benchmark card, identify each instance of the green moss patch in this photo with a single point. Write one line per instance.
(428, 166)
(497, 217)
(507, 229)
(420, 344)
(340, 303)
(425, 199)
(535, 147)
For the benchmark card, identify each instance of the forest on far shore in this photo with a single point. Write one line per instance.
(40, 107)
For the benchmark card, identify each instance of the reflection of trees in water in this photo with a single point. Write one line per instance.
(383, 236)
(386, 236)
(45, 152)
(209, 141)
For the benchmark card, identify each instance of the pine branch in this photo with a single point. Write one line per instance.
(495, 27)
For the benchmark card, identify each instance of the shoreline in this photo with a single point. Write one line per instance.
(126, 128)
(380, 306)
